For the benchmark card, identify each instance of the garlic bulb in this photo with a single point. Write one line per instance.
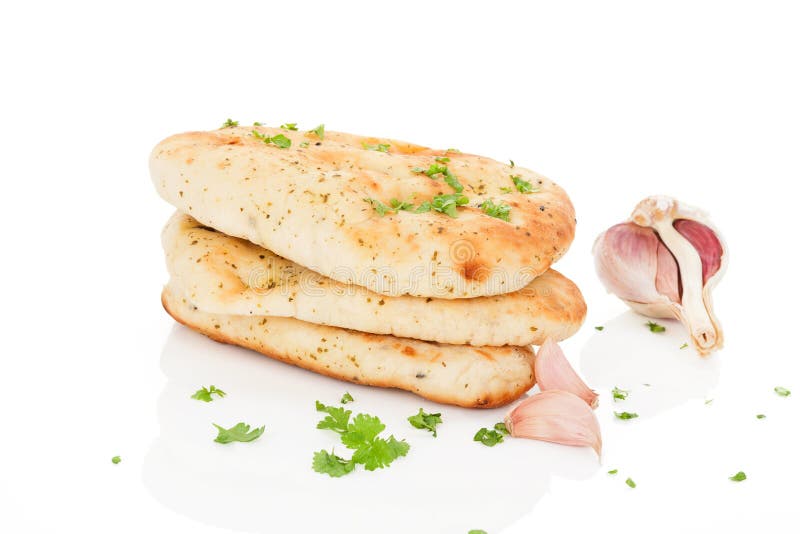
(664, 263)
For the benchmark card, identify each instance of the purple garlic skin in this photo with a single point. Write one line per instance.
(664, 263)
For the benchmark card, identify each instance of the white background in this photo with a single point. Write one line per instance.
(613, 100)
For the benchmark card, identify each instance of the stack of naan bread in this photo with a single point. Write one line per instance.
(359, 258)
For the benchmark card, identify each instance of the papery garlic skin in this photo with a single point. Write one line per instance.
(558, 417)
(674, 278)
(553, 372)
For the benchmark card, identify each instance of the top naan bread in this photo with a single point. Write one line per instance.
(307, 203)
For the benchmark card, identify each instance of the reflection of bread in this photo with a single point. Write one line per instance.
(453, 374)
(223, 274)
(306, 203)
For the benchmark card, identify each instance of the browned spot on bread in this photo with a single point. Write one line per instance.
(409, 351)
(484, 354)
(474, 270)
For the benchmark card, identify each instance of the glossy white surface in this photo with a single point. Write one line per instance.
(695, 100)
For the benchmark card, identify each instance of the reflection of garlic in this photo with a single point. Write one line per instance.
(664, 263)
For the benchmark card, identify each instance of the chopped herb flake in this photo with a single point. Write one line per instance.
(498, 211)
(377, 148)
(619, 394)
(238, 432)
(446, 204)
(319, 130)
(738, 477)
(523, 186)
(490, 438)
(397, 205)
(626, 415)
(290, 126)
(230, 124)
(782, 391)
(684, 346)
(655, 327)
(426, 421)
(760, 416)
(115, 460)
(280, 140)
(304, 144)
(709, 401)
(511, 162)
(599, 328)
(346, 398)
(204, 394)
(442, 159)
(379, 206)
(613, 472)
(630, 483)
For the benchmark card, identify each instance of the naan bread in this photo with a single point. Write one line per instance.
(307, 204)
(451, 374)
(223, 274)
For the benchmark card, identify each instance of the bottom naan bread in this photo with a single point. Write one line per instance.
(473, 377)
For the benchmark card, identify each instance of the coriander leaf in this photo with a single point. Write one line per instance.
(381, 208)
(319, 130)
(490, 438)
(619, 394)
(379, 453)
(446, 204)
(626, 415)
(782, 391)
(304, 144)
(426, 421)
(229, 124)
(330, 464)
(435, 170)
(655, 327)
(397, 205)
(452, 181)
(599, 328)
(346, 398)
(204, 394)
(442, 159)
(257, 124)
(630, 482)
(281, 141)
(498, 211)
(684, 346)
(115, 460)
(523, 186)
(760, 416)
(381, 147)
(478, 531)
(613, 472)
(506, 189)
(290, 126)
(363, 430)
(238, 432)
(501, 427)
(337, 419)
(423, 208)
(738, 477)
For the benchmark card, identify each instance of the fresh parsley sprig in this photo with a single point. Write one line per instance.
(499, 211)
(360, 435)
(490, 438)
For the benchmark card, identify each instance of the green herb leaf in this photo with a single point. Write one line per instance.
(619, 394)
(613, 472)
(398, 205)
(738, 477)
(304, 144)
(506, 189)
(426, 421)
(204, 394)
(229, 124)
(501, 427)
(523, 186)
(782, 391)
(630, 482)
(377, 148)
(709, 401)
(361, 435)
(760, 416)
(115, 460)
(684, 346)
(379, 206)
(442, 159)
(346, 398)
(423, 208)
(498, 211)
(478, 531)
(626, 415)
(490, 438)
(290, 126)
(319, 130)
(435, 170)
(238, 432)
(599, 328)
(330, 464)
(453, 150)
(257, 124)
(655, 327)
(280, 140)
(511, 162)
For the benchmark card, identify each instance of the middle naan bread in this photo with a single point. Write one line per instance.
(227, 275)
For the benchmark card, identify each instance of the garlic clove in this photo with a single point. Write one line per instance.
(556, 416)
(553, 372)
(690, 257)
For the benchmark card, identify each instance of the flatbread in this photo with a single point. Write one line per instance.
(223, 274)
(451, 374)
(307, 204)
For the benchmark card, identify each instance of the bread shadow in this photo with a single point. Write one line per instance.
(445, 484)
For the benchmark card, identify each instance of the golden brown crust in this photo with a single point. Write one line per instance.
(307, 204)
(449, 374)
(223, 274)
